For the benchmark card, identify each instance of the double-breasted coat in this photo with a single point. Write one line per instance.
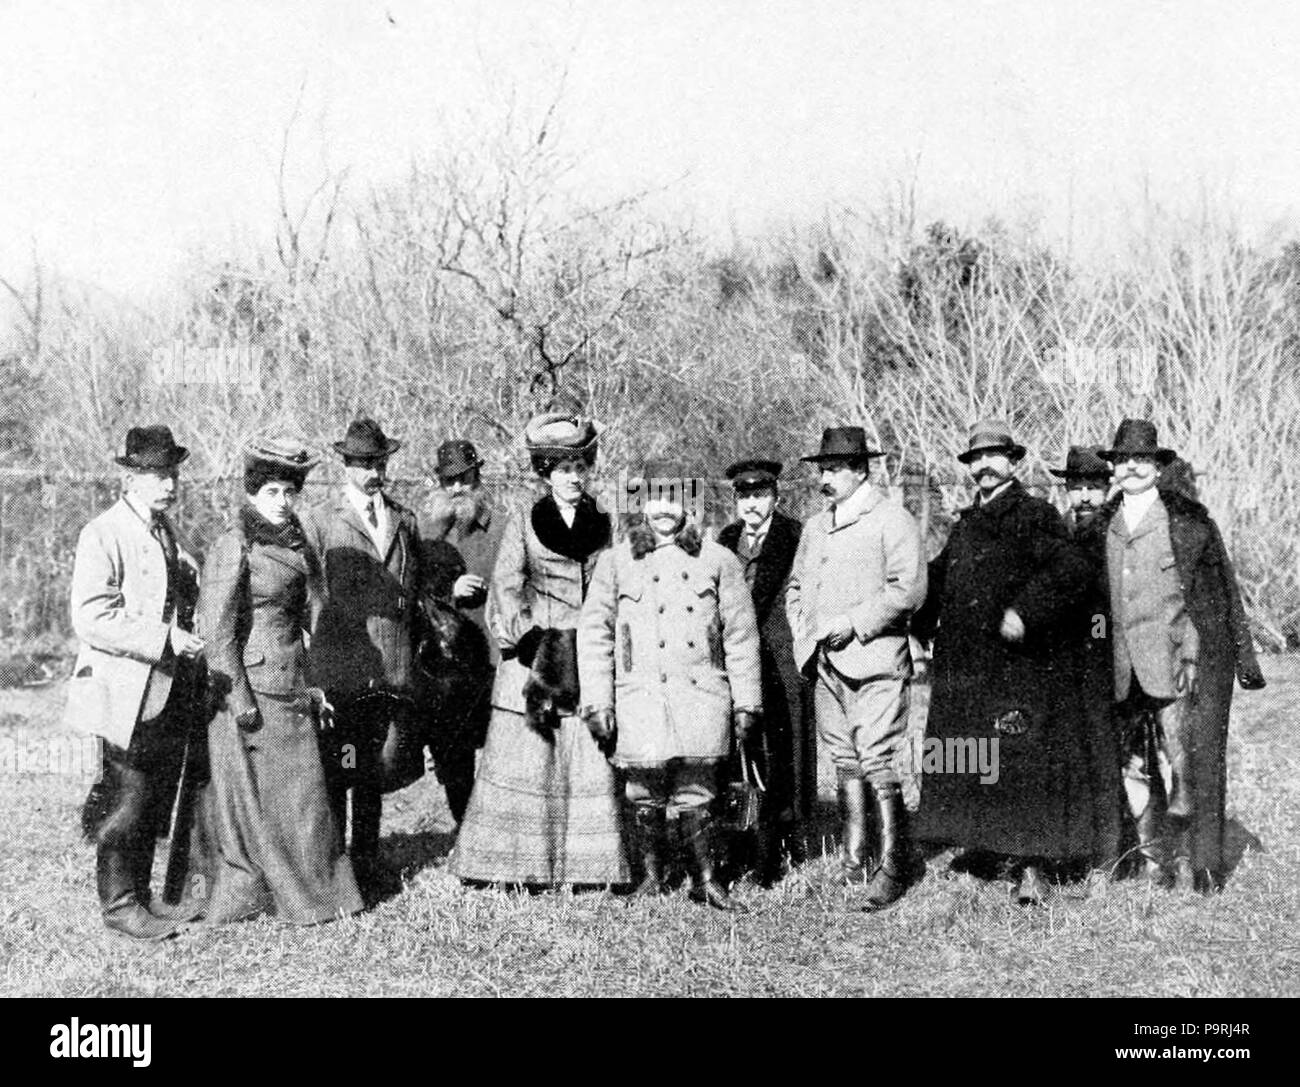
(1013, 553)
(1224, 650)
(789, 743)
(365, 634)
(669, 641)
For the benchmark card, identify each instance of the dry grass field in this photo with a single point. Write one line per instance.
(953, 935)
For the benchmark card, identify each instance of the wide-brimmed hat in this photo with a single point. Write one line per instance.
(366, 440)
(151, 447)
(991, 435)
(839, 442)
(1083, 462)
(560, 434)
(754, 473)
(285, 454)
(455, 458)
(1137, 436)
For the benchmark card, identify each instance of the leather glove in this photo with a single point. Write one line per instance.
(744, 724)
(248, 721)
(1249, 676)
(526, 647)
(1185, 681)
(602, 724)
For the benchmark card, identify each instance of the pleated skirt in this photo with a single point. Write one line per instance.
(546, 809)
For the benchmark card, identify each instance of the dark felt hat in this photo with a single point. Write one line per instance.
(1083, 462)
(754, 473)
(455, 458)
(1137, 436)
(365, 439)
(839, 442)
(991, 435)
(151, 447)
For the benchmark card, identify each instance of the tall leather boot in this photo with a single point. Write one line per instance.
(853, 833)
(705, 888)
(115, 879)
(1183, 870)
(1152, 865)
(367, 810)
(889, 880)
(650, 822)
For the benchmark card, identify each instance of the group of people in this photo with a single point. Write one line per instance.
(622, 675)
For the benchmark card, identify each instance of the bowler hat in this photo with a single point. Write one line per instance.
(1137, 436)
(1083, 462)
(151, 447)
(753, 473)
(991, 435)
(455, 458)
(365, 439)
(841, 442)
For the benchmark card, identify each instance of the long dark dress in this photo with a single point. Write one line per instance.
(275, 838)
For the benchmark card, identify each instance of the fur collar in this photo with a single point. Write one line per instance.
(590, 532)
(258, 530)
(643, 540)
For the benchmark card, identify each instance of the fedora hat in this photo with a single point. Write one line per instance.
(365, 439)
(753, 473)
(455, 458)
(1083, 462)
(151, 447)
(1137, 436)
(991, 435)
(840, 442)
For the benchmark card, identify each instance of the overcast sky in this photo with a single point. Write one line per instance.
(133, 134)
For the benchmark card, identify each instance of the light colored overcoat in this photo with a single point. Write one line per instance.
(118, 598)
(669, 640)
(867, 563)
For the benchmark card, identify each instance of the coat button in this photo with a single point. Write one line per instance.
(663, 677)
(690, 645)
(662, 644)
(655, 578)
(662, 609)
(685, 575)
(689, 607)
(694, 682)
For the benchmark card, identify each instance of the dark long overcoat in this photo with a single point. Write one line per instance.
(1012, 553)
(1214, 603)
(789, 743)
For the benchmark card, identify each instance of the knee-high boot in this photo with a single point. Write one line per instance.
(695, 827)
(650, 826)
(889, 881)
(853, 832)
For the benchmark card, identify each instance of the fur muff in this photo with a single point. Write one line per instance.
(551, 691)
(642, 538)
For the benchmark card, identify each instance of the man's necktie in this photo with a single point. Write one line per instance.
(159, 532)
(372, 515)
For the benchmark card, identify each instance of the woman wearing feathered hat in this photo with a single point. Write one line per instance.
(545, 807)
(276, 840)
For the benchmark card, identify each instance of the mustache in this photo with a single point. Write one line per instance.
(990, 472)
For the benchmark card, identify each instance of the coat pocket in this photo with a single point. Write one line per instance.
(625, 632)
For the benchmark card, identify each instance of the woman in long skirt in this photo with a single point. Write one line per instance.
(545, 809)
(276, 843)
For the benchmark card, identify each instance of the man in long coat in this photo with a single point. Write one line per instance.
(668, 660)
(134, 588)
(462, 534)
(1007, 594)
(1179, 634)
(1086, 476)
(362, 645)
(858, 574)
(765, 541)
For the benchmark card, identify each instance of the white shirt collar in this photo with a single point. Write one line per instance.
(1135, 507)
(143, 512)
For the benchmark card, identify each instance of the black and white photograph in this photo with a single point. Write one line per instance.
(611, 499)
